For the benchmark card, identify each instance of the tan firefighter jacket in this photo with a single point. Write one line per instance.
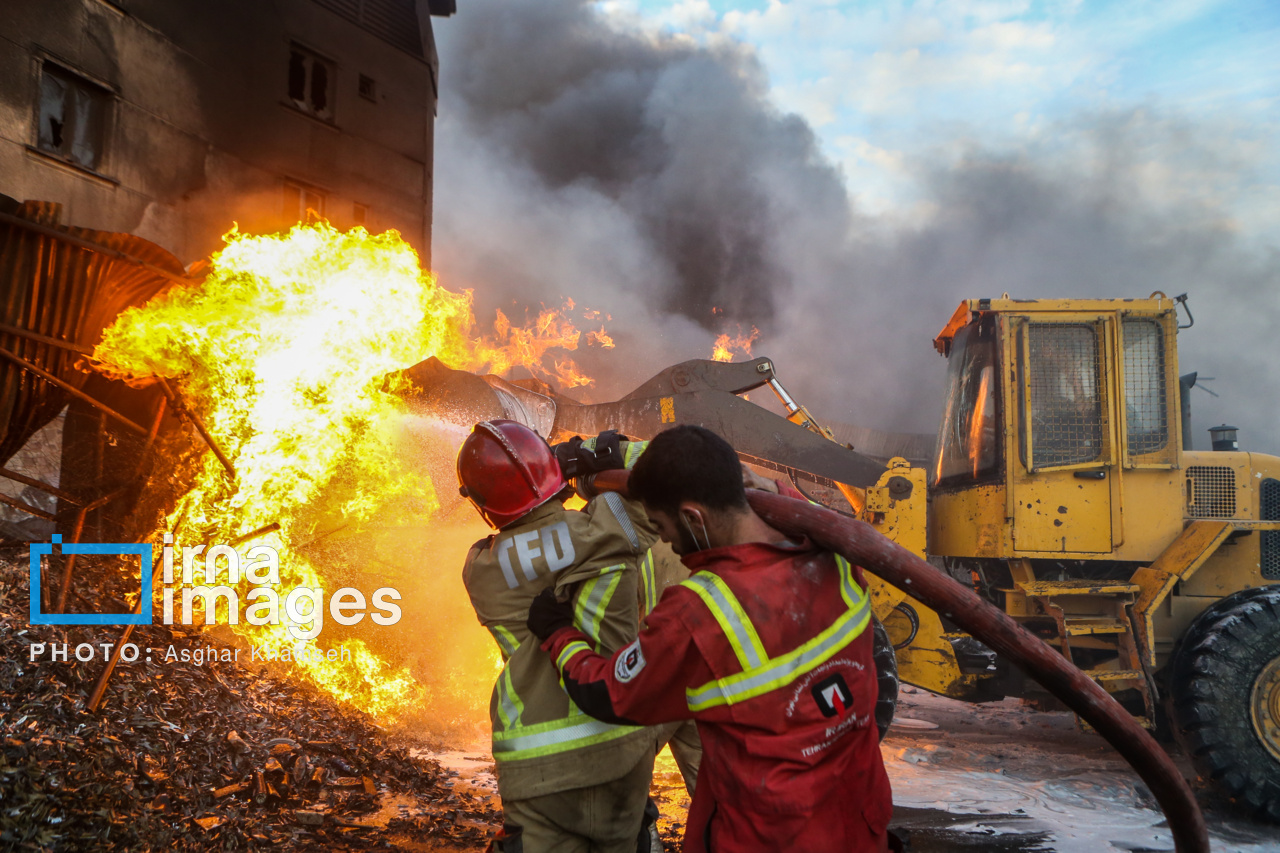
(542, 743)
(660, 569)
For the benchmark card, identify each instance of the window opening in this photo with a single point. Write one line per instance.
(72, 117)
(302, 204)
(1146, 409)
(1065, 394)
(968, 442)
(311, 83)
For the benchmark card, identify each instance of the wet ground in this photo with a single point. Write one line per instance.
(996, 778)
(1004, 777)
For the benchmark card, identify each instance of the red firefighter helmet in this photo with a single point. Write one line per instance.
(506, 469)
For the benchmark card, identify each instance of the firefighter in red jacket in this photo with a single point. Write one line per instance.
(768, 646)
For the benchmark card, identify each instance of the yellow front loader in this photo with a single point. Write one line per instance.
(1061, 490)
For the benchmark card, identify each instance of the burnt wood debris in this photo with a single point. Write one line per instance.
(186, 757)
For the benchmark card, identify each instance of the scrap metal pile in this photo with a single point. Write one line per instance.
(184, 756)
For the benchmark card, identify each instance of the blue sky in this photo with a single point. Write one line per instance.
(890, 86)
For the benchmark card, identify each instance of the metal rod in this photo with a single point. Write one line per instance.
(75, 537)
(69, 561)
(1182, 300)
(42, 486)
(100, 686)
(781, 393)
(45, 339)
(72, 390)
(862, 544)
(82, 243)
(107, 498)
(198, 424)
(27, 508)
(151, 437)
(155, 422)
(261, 531)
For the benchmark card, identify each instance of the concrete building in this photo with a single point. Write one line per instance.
(174, 119)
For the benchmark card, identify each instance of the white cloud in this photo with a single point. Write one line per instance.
(911, 77)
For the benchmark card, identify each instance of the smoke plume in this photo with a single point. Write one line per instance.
(650, 177)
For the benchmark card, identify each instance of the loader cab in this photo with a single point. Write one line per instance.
(1058, 412)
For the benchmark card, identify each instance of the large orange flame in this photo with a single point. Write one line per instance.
(284, 350)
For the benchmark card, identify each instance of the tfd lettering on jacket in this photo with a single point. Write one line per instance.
(552, 543)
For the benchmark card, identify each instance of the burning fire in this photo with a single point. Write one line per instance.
(600, 338)
(283, 350)
(723, 349)
(528, 345)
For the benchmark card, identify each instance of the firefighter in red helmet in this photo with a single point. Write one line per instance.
(568, 782)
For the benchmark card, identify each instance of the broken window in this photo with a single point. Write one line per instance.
(73, 113)
(311, 83)
(969, 441)
(302, 204)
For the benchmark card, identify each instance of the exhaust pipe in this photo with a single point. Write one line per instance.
(863, 545)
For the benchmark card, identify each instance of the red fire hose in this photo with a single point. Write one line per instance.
(862, 544)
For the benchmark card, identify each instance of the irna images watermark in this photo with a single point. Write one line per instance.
(300, 609)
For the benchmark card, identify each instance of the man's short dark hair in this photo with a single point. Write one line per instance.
(688, 463)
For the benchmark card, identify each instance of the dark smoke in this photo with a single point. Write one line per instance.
(651, 178)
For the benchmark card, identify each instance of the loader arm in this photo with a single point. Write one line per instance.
(706, 393)
(693, 392)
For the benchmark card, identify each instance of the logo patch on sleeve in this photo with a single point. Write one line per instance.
(833, 696)
(630, 662)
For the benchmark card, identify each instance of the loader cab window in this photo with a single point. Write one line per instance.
(1146, 409)
(1064, 390)
(968, 441)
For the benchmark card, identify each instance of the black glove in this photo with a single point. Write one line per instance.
(567, 453)
(547, 614)
(577, 461)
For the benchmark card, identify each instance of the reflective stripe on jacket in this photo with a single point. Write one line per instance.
(761, 674)
(543, 743)
(766, 646)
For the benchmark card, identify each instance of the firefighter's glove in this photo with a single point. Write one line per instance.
(567, 456)
(578, 458)
(547, 614)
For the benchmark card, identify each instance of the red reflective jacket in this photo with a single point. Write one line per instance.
(791, 753)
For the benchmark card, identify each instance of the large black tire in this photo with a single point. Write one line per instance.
(886, 677)
(1165, 721)
(1225, 685)
(1218, 609)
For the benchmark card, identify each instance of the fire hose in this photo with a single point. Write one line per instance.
(863, 545)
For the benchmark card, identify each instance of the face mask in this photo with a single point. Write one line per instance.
(698, 546)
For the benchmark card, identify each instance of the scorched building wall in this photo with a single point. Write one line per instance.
(172, 119)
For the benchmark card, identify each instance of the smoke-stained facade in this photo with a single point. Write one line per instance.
(172, 120)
